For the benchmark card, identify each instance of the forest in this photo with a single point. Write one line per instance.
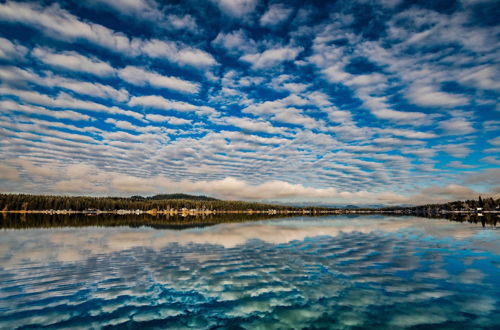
(24, 202)
(484, 204)
(166, 202)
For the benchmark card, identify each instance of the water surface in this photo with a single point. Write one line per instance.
(372, 272)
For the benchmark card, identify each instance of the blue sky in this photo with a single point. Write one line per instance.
(385, 101)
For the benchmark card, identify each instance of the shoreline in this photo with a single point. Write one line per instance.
(248, 212)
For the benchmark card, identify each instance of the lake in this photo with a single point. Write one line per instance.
(337, 272)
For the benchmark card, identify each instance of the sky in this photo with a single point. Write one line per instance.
(355, 101)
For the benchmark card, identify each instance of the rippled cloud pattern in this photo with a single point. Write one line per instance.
(349, 101)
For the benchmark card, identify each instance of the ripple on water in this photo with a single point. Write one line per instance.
(368, 279)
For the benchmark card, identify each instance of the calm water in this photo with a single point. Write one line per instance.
(370, 272)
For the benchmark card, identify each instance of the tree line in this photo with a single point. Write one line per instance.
(24, 202)
(484, 204)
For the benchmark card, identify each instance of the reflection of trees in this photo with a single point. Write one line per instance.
(38, 220)
(485, 219)
(164, 221)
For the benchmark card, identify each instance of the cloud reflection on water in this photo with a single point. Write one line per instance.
(289, 273)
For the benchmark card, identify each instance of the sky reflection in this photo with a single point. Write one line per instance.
(369, 272)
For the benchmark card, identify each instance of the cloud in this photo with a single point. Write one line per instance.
(186, 22)
(404, 116)
(457, 150)
(458, 164)
(159, 102)
(336, 74)
(491, 160)
(139, 8)
(74, 62)
(9, 105)
(178, 53)
(141, 77)
(409, 133)
(264, 92)
(121, 124)
(39, 170)
(64, 100)
(275, 15)
(495, 141)
(380, 109)
(168, 119)
(456, 126)
(94, 89)
(236, 8)
(11, 51)
(252, 125)
(451, 192)
(235, 42)
(60, 24)
(9, 173)
(490, 177)
(481, 77)
(427, 96)
(271, 57)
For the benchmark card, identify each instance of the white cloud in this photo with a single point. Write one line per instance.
(138, 8)
(482, 77)
(236, 8)
(64, 100)
(74, 62)
(121, 124)
(159, 102)
(186, 22)
(235, 42)
(10, 50)
(283, 111)
(457, 150)
(141, 77)
(8, 173)
(178, 53)
(168, 119)
(429, 97)
(495, 141)
(60, 24)
(451, 192)
(8, 105)
(408, 133)
(271, 57)
(404, 116)
(458, 164)
(275, 15)
(456, 126)
(252, 125)
(491, 160)
(336, 74)
(15, 74)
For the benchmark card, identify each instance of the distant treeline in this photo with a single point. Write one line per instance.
(20, 202)
(173, 196)
(485, 204)
(25, 202)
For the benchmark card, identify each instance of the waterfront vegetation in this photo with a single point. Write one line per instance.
(172, 203)
(185, 211)
(23, 202)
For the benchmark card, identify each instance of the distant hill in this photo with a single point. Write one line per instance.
(173, 197)
(331, 206)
